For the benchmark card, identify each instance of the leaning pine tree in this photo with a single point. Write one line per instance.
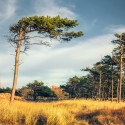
(45, 27)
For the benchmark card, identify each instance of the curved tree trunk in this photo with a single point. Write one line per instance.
(16, 66)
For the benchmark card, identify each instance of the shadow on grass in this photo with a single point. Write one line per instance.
(103, 117)
(41, 120)
(38, 120)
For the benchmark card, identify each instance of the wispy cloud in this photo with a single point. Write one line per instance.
(116, 29)
(53, 8)
(55, 65)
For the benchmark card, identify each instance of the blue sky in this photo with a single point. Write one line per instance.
(98, 19)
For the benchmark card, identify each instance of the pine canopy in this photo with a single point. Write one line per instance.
(52, 27)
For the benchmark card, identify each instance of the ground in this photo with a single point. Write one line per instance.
(65, 112)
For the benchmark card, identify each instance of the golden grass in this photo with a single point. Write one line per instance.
(68, 112)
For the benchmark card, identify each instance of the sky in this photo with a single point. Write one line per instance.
(98, 19)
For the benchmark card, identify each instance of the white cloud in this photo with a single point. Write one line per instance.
(116, 29)
(7, 9)
(55, 66)
(52, 8)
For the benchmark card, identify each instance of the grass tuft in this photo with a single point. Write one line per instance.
(67, 112)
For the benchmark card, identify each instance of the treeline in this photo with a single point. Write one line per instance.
(33, 91)
(105, 80)
(5, 90)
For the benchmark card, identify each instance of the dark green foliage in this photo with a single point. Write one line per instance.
(78, 87)
(8, 90)
(35, 90)
(5, 90)
(42, 23)
(45, 91)
(51, 27)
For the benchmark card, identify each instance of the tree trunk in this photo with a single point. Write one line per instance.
(100, 85)
(93, 90)
(118, 92)
(112, 85)
(121, 66)
(109, 92)
(16, 66)
(34, 95)
(103, 93)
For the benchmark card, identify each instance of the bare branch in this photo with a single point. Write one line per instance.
(24, 52)
(39, 43)
(12, 69)
(12, 45)
(12, 54)
(27, 37)
(21, 63)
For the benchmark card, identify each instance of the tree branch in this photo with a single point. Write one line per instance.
(39, 43)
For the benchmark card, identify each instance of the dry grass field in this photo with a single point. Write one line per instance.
(67, 112)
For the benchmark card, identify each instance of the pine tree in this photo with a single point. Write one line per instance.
(46, 27)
